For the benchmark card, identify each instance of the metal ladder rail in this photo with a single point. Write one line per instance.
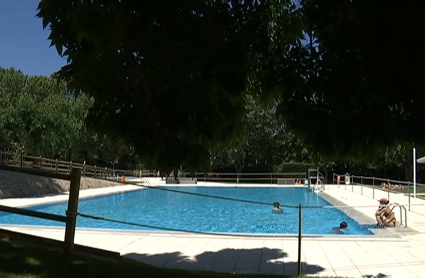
(317, 176)
(401, 207)
(317, 185)
(146, 180)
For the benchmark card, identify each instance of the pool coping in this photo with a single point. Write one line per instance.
(359, 217)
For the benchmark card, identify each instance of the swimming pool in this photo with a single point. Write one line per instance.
(200, 214)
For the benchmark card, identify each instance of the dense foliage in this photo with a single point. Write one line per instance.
(167, 76)
(208, 84)
(41, 117)
(357, 78)
(171, 76)
(263, 142)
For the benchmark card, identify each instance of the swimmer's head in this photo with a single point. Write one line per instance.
(276, 204)
(343, 225)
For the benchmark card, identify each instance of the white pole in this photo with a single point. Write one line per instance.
(414, 173)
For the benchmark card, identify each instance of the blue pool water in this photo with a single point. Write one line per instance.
(195, 213)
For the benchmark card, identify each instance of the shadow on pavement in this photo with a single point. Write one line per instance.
(249, 261)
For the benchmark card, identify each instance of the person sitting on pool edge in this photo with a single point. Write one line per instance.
(384, 215)
(276, 207)
(342, 226)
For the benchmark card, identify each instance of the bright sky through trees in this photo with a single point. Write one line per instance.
(24, 44)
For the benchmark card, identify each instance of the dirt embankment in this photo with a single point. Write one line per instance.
(17, 185)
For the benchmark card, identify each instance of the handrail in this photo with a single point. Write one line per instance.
(318, 177)
(375, 181)
(401, 215)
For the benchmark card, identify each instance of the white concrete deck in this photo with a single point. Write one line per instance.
(397, 252)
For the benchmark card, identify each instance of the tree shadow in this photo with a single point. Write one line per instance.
(247, 261)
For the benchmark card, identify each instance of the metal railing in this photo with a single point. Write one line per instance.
(269, 178)
(371, 186)
(401, 207)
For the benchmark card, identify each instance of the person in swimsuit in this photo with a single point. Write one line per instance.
(385, 185)
(342, 226)
(276, 207)
(384, 215)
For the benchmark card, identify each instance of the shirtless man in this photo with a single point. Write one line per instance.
(384, 215)
(276, 207)
(342, 226)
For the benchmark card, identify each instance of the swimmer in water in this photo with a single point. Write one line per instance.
(342, 226)
(276, 207)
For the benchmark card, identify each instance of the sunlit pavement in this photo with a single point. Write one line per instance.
(397, 252)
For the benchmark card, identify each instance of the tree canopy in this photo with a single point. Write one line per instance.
(170, 76)
(39, 116)
(357, 86)
(166, 75)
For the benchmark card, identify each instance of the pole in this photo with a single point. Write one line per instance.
(300, 226)
(113, 174)
(409, 192)
(71, 213)
(414, 173)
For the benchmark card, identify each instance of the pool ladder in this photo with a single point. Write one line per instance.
(315, 175)
(402, 208)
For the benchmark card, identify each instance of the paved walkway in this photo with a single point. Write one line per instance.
(397, 252)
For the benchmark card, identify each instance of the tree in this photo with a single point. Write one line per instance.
(263, 143)
(167, 76)
(37, 114)
(11, 83)
(170, 76)
(358, 84)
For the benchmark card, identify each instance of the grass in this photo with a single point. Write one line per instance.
(18, 260)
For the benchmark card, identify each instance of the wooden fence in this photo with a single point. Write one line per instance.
(71, 214)
(60, 166)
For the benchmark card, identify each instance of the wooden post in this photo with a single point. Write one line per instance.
(22, 159)
(71, 213)
(1, 157)
(95, 172)
(84, 168)
(56, 165)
